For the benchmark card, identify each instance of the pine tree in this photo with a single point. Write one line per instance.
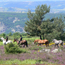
(36, 19)
(37, 25)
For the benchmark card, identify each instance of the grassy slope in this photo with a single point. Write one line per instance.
(28, 61)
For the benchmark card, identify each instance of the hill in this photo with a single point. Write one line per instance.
(12, 22)
(15, 22)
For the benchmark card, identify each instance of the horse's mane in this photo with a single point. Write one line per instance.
(15, 39)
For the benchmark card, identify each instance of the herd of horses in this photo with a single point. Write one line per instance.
(38, 41)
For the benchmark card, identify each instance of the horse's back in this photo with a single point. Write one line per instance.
(43, 41)
(23, 41)
(36, 40)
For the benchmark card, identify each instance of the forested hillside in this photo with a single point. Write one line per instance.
(15, 22)
(12, 22)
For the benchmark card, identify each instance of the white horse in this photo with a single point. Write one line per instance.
(4, 41)
(57, 42)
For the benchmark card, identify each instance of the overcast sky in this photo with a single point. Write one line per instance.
(29, 0)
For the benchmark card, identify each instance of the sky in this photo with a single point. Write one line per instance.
(29, 0)
(55, 7)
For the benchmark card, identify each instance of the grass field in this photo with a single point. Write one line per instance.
(33, 56)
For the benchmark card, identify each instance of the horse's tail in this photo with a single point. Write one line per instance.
(62, 43)
(26, 44)
(47, 43)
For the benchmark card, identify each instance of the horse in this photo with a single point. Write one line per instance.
(23, 42)
(58, 42)
(4, 41)
(36, 41)
(46, 42)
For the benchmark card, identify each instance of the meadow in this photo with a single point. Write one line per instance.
(33, 54)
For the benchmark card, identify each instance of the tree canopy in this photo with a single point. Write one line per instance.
(37, 25)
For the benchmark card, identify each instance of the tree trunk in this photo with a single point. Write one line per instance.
(43, 36)
(40, 37)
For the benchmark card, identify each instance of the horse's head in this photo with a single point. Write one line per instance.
(54, 40)
(15, 40)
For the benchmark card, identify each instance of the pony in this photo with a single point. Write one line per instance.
(58, 42)
(46, 42)
(4, 41)
(23, 42)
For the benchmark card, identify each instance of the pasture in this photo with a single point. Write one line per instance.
(34, 55)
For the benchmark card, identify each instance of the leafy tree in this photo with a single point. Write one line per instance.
(4, 35)
(36, 19)
(10, 34)
(37, 25)
(52, 29)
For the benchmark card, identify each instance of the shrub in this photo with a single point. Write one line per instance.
(11, 48)
(0, 40)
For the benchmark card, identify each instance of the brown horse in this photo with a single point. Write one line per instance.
(23, 42)
(36, 41)
(46, 42)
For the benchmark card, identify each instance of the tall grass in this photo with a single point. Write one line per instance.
(1, 43)
(28, 61)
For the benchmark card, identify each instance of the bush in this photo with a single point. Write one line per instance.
(11, 48)
(0, 40)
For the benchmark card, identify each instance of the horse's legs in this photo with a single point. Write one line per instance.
(46, 45)
(26, 44)
(38, 44)
(23, 45)
(55, 45)
(58, 45)
(62, 43)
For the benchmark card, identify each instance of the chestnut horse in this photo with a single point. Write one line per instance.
(36, 41)
(46, 42)
(23, 42)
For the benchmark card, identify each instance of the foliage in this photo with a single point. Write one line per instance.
(49, 28)
(11, 48)
(16, 61)
(10, 34)
(4, 35)
(36, 19)
(7, 19)
(0, 40)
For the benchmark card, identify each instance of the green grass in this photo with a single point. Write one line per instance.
(1, 43)
(16, 61)
(28, 61)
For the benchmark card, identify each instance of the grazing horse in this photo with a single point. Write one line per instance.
(46, 42)
(4, 41)
(36, 41)
(23, 42)
(58, 42)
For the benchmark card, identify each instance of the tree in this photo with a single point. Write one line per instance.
(36, 19)
(37, 25)
(52, 29)
(10, 34)
(4, 35)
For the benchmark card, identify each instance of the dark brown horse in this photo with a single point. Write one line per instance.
(23, 42)
(41, 42)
